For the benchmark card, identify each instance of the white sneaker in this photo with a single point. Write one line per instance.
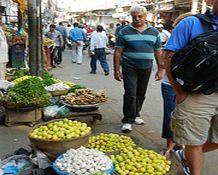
(139, 121)
(126, 127)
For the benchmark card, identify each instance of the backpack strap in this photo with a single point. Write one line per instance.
(207, 18)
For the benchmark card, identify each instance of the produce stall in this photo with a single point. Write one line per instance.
(63, 99)
(75, 151)
(70, 143)
(17, 44)
(23, 101)
(97, 154)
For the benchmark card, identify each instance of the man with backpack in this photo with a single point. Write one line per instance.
(195, 118)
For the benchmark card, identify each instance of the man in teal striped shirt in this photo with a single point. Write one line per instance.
(137, 46)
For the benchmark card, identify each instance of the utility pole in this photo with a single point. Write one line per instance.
(35, 37)
(194, 6)
(19, 18)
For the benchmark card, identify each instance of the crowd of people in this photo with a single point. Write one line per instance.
(190, 121)
(79, 37)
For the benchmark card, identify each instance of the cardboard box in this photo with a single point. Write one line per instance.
(16, 116)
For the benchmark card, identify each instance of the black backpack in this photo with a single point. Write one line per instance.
(195, 67)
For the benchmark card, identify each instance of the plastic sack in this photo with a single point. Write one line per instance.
(16, 164)
(52, 111)
(41, 159)
(5, 85)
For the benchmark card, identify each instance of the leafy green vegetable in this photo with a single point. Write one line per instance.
(48, 79)
(28, 92)
(75, 87)
(18, 72)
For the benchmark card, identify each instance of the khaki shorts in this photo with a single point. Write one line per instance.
(195, 120)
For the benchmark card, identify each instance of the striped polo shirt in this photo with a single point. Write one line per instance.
(138, 47)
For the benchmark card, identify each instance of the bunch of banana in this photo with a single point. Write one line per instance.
(16, 81)
(47, 41)
(70, 84)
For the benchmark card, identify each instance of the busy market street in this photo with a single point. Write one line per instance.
(147, 136)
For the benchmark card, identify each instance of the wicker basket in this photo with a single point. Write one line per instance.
(59, 92)
(54, 148)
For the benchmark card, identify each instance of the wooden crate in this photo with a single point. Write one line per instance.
(87, 117)
(19, 116)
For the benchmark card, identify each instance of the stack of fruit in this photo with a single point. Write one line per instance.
(140, 161)
(60, 130)
(110, 142)
(47, 42)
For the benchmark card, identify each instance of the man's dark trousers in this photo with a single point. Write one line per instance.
(135, 86)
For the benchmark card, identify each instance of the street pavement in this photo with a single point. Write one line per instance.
(147, 136)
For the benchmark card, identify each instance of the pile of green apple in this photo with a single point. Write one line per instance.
(140, 161)
(110, 142)
(61, 130)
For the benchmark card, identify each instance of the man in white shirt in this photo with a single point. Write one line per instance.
(3, 52)
(98, 43)
(164, 34)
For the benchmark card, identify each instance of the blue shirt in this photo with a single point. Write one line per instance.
(62, 30)
(186, 30)
(76, 34)
(138, 47)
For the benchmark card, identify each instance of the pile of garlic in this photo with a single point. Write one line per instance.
(57, 87)
(83, 161)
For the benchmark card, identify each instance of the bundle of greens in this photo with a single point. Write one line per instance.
(48, 79)
(75, 87)
(18, 72)
(30, 92)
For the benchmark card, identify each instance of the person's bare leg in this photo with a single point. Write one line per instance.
(169, 148)
(194, 158)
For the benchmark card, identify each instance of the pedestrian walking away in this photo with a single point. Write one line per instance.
(98, 43)
(58, 45)
(78, 37)
(61, 28)
(195, 118)
(137, 45)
